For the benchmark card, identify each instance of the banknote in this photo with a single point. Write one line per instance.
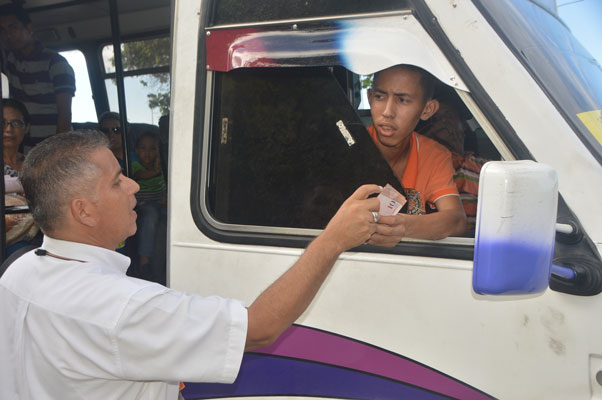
(391, 201)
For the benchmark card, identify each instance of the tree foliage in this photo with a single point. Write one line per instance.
(152, 53)
(366, 81)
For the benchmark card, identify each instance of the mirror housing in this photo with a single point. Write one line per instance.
(516, 228)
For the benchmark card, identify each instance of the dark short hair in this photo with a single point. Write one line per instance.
(147, 134)
(427, 80)
(17, 11)
(57, 170)
(17, 105)
(108, 115)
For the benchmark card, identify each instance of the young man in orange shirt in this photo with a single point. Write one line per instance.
(400, 97)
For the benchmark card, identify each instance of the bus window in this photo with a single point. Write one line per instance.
(82, 104)
(274, 102)
(296, 154)
(147, 80)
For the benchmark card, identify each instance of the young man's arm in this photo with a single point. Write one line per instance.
(286, 299)
(63, 106)
(449, 220)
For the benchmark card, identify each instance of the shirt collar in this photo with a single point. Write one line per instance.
(109, 259)
(37, 49)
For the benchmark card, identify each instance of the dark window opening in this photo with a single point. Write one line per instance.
(231, 12)
(278, 156)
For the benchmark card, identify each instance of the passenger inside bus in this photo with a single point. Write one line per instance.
(147, 247)
(25, 60)
(164, 143)
(151, 207)
(20, 228)
(448, 127)
(109, 123)
(401, 96)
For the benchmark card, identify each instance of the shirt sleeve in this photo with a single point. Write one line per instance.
(441, 182)
(170, 336)
(61, 75)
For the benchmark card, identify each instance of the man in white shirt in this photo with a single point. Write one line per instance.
(75, 326)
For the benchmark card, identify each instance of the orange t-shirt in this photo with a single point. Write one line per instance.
(429, 172)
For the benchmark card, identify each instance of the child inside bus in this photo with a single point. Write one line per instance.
(152, 201)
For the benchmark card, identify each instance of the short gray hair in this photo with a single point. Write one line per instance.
(58, 170)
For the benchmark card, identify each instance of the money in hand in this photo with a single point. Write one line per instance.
(391, 201)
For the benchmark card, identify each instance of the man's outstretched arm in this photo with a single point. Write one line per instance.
(286, 299)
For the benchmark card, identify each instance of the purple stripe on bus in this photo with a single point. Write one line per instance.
(311, 344)
(264, 375)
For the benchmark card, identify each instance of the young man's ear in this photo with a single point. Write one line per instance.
(430, 109)
(83, 212)
(370, 96)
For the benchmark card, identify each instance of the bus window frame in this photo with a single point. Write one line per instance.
(453, 247)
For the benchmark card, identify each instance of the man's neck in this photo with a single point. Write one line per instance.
(28, 49)
(81, 236)
(397, 156)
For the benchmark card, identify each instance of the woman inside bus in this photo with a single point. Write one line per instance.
(15, 126)
(20, 228)
(109, 123)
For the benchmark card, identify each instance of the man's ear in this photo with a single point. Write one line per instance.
(430, 109)
(370, 92)
(83, 212)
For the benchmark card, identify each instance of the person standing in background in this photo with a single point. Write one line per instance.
(39, 77)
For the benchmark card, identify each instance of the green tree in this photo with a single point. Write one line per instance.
(366, 81)
(145, 54)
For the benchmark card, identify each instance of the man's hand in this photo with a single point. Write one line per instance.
(449, 220)
(353, 224)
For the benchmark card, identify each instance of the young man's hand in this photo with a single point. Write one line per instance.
(449, 220)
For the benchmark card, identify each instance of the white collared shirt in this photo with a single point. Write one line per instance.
(85, 330)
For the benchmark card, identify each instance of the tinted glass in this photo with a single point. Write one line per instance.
(278, 156)
(236, 11)
(566, 71)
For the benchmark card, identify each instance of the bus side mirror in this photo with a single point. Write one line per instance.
(515, 231)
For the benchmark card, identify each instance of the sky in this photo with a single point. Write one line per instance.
(583, 17)
(82, 107)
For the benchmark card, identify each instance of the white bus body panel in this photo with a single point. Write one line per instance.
(547, 347)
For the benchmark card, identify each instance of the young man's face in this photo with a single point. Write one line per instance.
(115, 203)
(397, 104)
(13, 34)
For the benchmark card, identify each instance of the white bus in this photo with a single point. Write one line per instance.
(258, 164)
